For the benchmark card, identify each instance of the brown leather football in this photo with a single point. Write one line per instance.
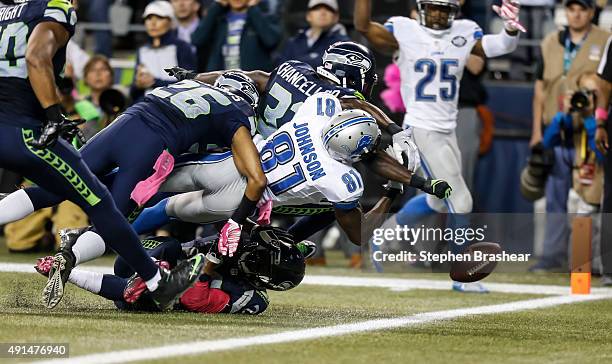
(475, 270)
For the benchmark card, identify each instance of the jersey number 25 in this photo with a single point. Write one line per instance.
(430, 68)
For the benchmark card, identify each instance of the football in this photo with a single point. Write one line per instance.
(475, 269)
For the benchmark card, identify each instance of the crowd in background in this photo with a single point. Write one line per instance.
(260, 34)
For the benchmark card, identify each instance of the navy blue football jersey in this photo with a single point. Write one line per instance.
(290, 84)
(17, 22)
(190, 112)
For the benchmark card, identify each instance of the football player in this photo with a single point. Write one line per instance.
(33, 38)
(433, 52)
(268, 258)
(306, 161)
(168, 122)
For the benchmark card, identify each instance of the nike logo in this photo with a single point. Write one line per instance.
(196, 266)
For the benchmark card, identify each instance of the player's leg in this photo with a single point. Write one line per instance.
(163, 248)
(61, 170)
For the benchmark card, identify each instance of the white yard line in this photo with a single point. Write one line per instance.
(397, 284)
(208, 346)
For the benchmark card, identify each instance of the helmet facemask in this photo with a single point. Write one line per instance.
(437, 14)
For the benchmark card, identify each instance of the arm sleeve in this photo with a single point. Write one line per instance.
(552, 134)
(605, 67)
(267, 27)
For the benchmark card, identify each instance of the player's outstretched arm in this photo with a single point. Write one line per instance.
(46, 39)
(259, 77)
(375, 33)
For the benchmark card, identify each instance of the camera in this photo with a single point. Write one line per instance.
(580, 100)
(534, 175)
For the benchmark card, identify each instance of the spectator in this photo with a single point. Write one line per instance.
(164, 50)
(604, 128)
(98, 76)
(186, 13)
(566, 54)
(239, 35)
(324, 30)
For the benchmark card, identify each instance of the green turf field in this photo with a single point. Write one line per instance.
(560, 334)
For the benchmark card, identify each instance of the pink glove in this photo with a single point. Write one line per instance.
(229, 238)
(265, 210)
(509, 12)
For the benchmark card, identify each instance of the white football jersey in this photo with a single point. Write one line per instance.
(431, 64)
(298, 167)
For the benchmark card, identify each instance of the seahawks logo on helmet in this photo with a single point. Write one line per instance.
(239, 84)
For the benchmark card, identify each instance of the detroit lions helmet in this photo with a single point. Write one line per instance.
(271, 260)
(350, 65)
(438, 14)
(350, 135)
(239, 84)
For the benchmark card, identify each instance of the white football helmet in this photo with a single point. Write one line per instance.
(350, 135)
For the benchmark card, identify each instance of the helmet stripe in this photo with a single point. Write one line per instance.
(345, 124)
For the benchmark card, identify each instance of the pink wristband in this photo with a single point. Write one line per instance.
(601, 114)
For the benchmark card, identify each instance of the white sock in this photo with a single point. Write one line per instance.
(153, 282)
(88, 246)
(90, 281)
(15, 207)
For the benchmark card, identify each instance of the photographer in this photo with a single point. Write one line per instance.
(574, 128)
(566, 55)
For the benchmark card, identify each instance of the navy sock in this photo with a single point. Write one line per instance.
(113, 287)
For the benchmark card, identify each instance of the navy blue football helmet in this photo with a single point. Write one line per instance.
(351, 65)
(239, 84)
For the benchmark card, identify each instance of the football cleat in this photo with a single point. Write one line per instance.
(308, 248)
(62, 265)
(473, 287)
(170, 287)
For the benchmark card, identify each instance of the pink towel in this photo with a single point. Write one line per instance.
(146, 189)
(265, 210)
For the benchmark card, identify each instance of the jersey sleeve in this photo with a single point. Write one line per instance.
(228, 125)
(62, 12)
(344, 188)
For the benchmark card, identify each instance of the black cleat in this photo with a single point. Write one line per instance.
(62, 265)
(171, 286)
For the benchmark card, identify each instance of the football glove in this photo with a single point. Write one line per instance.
(57, 125)
(181, 73)
(404, 145)
(437, 187)
(509, 13)
(229, 238)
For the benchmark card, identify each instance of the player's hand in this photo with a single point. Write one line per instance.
(229, 238)
(74, 132)
(601, 140)
(57, 125)
(437, 187)
(403, 143)
(180, 73)
(509, 12)
(394, 184)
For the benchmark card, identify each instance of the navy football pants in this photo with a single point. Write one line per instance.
(61, 171)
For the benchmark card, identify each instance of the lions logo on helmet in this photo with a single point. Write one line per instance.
(437, 14)
(350, 65)
(240, 85)
(350, 135)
